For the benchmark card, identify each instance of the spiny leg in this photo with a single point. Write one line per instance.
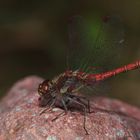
(84, 107)
(66, 110)
(65, 105)
(78, 98)
(88, 101)
(58, 116)
(53, 102)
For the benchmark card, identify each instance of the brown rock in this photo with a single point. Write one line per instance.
(20, 120)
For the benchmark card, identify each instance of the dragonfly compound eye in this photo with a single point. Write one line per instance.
(43, 88)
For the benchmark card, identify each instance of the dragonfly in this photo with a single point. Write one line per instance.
(100, 47)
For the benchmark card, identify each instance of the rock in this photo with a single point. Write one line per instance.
(109, 119)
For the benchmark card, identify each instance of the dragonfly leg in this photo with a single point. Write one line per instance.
(84, 107)
(88, 101)
(64, 112)
(53, 102)
(79, 98)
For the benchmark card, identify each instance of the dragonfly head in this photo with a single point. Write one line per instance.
(44, 92)
(43, 88)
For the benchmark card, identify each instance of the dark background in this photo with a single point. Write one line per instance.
(33, 38)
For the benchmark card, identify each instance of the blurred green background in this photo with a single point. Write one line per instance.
(34, 36)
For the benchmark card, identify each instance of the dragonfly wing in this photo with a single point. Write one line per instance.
(77, 47)
(98, 88)
(94, 43)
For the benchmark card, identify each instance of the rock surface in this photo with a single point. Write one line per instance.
(20, 120)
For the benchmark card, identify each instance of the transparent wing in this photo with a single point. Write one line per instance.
(94, 43)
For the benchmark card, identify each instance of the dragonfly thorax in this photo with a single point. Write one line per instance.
(68, 82)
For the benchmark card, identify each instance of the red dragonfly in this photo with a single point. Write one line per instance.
(105, 46)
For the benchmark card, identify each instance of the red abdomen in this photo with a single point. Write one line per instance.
(103, 76)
